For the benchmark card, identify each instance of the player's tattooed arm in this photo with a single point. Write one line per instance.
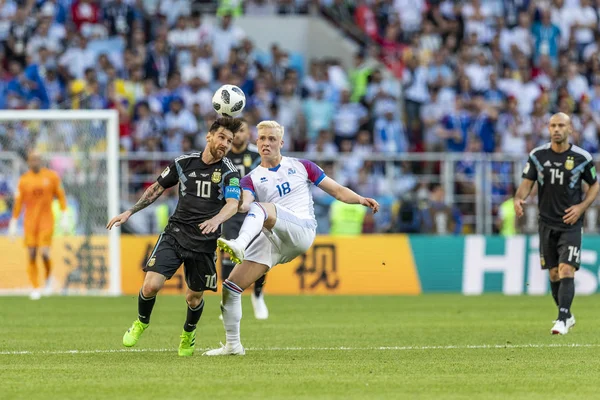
(149, 196)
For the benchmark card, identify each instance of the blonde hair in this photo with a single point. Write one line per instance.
(271, 125)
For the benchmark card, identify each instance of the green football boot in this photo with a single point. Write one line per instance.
(131, 337)
(187, 344)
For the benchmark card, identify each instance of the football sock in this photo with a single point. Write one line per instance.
(231, 307)
(253, 224)
(33, 274)
(193, 316)
(226, 267)
(47, 266)
(554, 286)
(258, 285)
(145, 306)
(566, 292)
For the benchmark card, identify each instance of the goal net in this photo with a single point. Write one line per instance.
(82, 148)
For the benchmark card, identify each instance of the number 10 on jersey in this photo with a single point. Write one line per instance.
(284, 189)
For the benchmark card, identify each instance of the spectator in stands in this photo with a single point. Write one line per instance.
(389, 133)
(438, 217)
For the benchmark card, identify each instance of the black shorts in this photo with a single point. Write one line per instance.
(199, 268)
(231, 227)
(559, 247)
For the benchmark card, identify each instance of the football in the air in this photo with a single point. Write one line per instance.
(229, 101)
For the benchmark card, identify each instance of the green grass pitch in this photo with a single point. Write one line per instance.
(312, 347)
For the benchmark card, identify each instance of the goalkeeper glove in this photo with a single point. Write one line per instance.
(12, 229)
(65, 224)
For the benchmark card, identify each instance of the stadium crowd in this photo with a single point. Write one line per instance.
(472, 76)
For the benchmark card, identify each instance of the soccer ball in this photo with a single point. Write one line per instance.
(229, 101)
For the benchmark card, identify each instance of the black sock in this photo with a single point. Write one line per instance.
(258, 285)
(554, 286)
(145, 306)
(193, 316)
(226, 268)
(566, 292)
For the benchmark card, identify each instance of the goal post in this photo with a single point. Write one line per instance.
(89, 141)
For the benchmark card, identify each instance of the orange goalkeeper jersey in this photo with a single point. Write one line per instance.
(36, 193)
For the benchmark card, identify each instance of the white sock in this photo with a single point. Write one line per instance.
(253, 224)
(231, 307)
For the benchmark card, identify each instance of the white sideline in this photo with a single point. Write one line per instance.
(382, 348)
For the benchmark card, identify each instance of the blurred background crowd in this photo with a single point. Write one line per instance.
(473, 76)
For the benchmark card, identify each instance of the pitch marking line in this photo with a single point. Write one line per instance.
(381, 348)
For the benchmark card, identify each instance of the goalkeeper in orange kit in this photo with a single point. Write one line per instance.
(37, 189)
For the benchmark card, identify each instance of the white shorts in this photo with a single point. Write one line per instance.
(290, 237)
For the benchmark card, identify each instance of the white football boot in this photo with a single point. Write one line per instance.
(35, 295)
(559, 328)
(260, 307)
(236, 252)
(571, 322)
(227, 350)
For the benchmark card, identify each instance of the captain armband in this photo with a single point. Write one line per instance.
(232, 192)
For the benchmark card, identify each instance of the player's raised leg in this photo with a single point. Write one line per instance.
(259, 215)
(195, 306)
(242, 276)
(153, 283)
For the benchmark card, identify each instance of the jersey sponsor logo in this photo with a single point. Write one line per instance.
(570, 163)
(526, 169)
(193, 174)
(165, 172)
(247, 160)
(558, 164)
(263, 179)
(204, 175)
(216, 177)
(547, 164)
(234, 182)
(291, 171)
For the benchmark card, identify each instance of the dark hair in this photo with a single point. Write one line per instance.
(231, 124)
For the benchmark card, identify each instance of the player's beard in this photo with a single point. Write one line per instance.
(561, 140)
(214, 151)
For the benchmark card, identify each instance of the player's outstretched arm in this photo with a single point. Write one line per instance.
(149, 197)
(521, 195)
(346, 195)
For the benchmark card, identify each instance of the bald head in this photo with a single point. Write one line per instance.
(34, 160)
(559, 128)
(561, 116)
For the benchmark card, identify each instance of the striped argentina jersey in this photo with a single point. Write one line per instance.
(203, 189)
(559, 177)
(288, 184)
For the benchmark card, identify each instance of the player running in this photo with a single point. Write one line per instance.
(209, 192)
(559, 167)
(279, 226)
(37, 189)
(245, 157)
